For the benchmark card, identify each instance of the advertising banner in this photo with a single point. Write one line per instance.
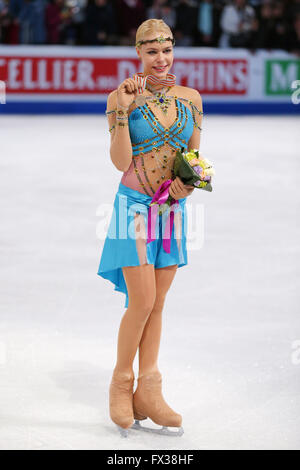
(47, 79)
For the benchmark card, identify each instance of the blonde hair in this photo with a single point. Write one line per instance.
(151, 26)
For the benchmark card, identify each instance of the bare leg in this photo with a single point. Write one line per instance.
(150, 341)
(140, 281)
(148, 400)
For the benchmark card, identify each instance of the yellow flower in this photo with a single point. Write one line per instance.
(207, 162)
(189, 156)
(209, 172)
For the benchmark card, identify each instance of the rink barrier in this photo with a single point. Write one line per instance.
(77, 80)
(99, 108)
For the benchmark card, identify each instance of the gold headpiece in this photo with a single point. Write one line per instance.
(160, 39)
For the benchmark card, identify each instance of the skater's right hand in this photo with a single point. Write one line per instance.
(127, 92)
(179, 190)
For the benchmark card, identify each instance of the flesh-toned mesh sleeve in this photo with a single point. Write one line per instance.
(111, 112)
(197, 112)
(111, 117)
(195, 106)
(196, 115)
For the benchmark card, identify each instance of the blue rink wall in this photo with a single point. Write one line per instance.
(226, 108)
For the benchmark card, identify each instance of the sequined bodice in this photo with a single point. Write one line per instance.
(154, 145)
(146, 131)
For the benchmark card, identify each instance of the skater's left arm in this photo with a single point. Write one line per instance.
(194, 142)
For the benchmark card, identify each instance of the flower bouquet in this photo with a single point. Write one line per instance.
(192, 170)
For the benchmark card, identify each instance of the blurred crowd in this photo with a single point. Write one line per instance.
(253, 24)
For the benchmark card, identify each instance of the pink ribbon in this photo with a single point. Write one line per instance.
(160, 197)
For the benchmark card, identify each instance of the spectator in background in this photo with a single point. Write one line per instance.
(205, 23)
(99, 24)
(162, 10)
(185, 29)
(39, 27)
(280, 26)
(79, 15)
(4, 20)
(271, 29)
(26, 18)
(3, 7)
(256, 4)
(155, 11)
(31, 16)
(293, 38)
(13, 27)
(68, 30)
(15, 8)
(217, 12)
(264, 28)
(169, 14)
(238, 25)
(147, 3)
(292, 10)
(130, 14)
(267, 24)
(54, 21)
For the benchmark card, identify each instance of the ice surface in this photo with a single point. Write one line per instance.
(230, 348)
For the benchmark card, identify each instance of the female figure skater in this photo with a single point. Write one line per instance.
(149, 118)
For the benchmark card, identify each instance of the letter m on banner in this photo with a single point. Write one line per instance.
(280, 75)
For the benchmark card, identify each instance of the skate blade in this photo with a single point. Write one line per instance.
(163, 431)
(123, 431)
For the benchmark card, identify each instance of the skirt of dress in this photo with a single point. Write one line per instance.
(126, 240)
